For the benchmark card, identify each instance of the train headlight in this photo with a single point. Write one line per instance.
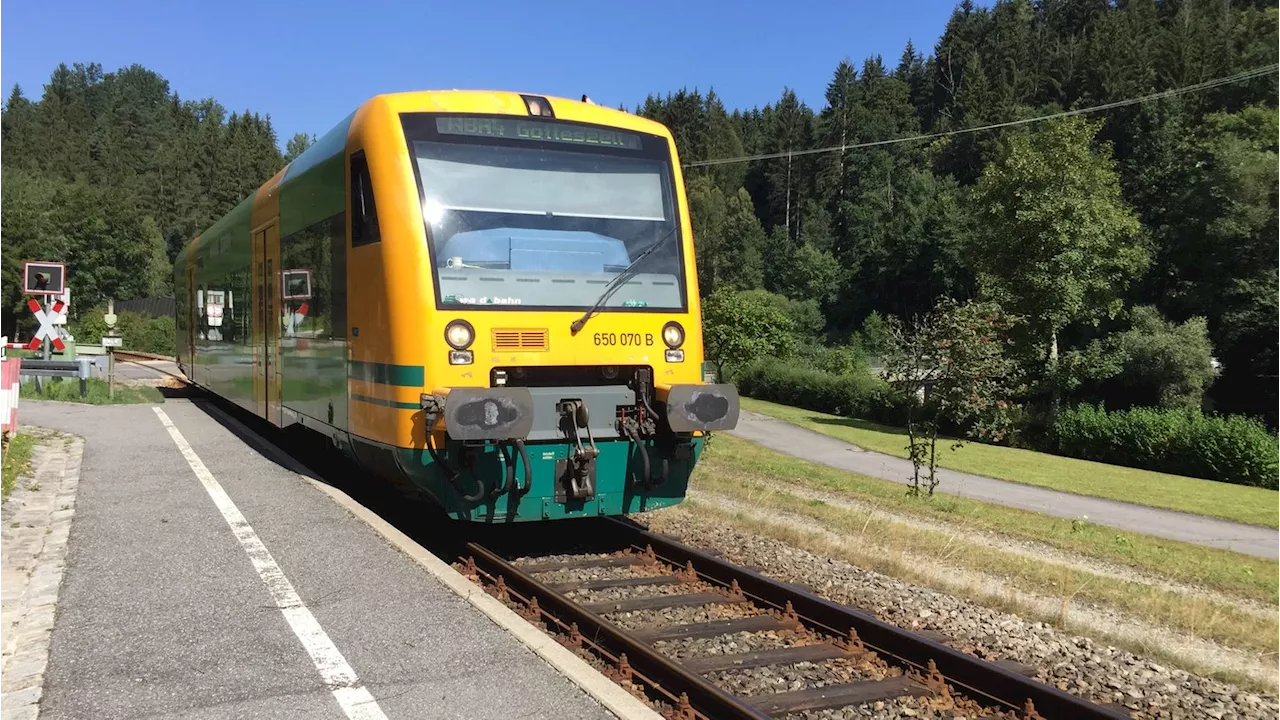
(459, 334)
(673, 335)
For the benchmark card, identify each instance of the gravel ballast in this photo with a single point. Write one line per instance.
(1074, 664)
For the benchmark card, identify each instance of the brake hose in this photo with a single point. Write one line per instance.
(510, 483)
(528, 468)
(450, 474)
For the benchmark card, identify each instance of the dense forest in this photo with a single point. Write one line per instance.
(1180, 192)
(113, 172)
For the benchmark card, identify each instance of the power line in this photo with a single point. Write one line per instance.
(1238, 77)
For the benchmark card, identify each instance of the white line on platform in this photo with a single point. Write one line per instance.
(356, 701)
(605, 691)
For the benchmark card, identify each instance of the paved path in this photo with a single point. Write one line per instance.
(165, 611)
(784, 437)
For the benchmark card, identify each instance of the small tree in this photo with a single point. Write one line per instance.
(741, 327)
(953, 361)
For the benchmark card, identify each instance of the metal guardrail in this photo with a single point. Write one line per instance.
(78, 368)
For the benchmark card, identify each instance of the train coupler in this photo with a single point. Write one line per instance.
(576, 474)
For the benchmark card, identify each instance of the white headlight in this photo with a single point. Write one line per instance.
(673, 335)
(459, 334)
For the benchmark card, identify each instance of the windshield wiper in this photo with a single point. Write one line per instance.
(618, 281)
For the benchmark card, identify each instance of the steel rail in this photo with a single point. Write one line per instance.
(703, 697)
(980, 678)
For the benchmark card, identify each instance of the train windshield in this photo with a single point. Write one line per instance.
(544, 214)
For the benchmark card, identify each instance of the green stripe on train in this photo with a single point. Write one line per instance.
(386, 403)
(385, 374)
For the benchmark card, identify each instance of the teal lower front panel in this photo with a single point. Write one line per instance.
(616, 493)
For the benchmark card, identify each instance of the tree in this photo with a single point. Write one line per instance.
(952, 362)
(740, 328)
(1161, 363)
(809, 274)
(297, 145)
(1054, 240)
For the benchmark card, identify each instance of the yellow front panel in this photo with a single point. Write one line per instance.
(395, 327)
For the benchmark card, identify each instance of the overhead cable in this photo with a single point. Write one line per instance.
(1207, 84)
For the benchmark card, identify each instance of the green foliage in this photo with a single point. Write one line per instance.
(727, 237)
(297, 145)
(1054, 240)
(875, 336)
(741, 327)
(806, 317)
(855, 394)
(1162, 364)
(809, 274)
(954, 359)
(1234, 449)
(845, 360)
(138, 332)
(113, 173)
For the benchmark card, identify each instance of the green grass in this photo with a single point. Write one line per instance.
(1250, 505)
(1232, 573)
(69, 391)
(17, 455)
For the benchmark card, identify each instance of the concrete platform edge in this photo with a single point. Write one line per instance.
(599, 687)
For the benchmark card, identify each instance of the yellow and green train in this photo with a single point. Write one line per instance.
(489, 295)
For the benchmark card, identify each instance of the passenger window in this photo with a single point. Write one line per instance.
(364, 215)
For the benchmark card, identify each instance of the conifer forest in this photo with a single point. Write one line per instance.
(1138, 243)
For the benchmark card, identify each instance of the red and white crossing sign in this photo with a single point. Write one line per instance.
(45, 318)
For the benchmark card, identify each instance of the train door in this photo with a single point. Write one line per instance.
(267, 318)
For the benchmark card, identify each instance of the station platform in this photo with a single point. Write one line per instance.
(204, 578)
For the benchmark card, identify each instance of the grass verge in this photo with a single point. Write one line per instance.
(1235, 574)
(17, 456)
(1240, 503)
(96, 392)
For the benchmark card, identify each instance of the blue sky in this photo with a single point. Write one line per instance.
(308, 64)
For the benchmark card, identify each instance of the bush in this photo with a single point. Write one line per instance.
(856, 394)
(1183, 442)
(835, 360)
(140, 332)
(740, 327)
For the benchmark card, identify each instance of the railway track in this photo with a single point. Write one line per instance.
(648, 607)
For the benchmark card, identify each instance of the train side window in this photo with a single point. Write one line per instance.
(364, 215)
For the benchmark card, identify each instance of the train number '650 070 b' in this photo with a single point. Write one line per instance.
(636, 339)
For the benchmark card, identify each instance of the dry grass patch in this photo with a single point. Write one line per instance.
(1233, 574)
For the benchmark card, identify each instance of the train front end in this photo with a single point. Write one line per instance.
(565, 373)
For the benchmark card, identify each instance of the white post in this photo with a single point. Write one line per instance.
(110, 320)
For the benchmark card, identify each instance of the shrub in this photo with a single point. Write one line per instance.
(740, 327)
(1184, 442)
(139, 332)
(856, 394)
(835, 360)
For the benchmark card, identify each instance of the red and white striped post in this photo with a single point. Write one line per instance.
(10, 377)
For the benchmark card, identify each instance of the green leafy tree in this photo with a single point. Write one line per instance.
(954, 361)
(742, 327)
(1054, 240)
(297, 145)
(809, 274)
(1165, 364)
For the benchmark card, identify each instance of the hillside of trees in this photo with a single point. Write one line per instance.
(1135, 242)
(1178, 193)
(113, 173)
